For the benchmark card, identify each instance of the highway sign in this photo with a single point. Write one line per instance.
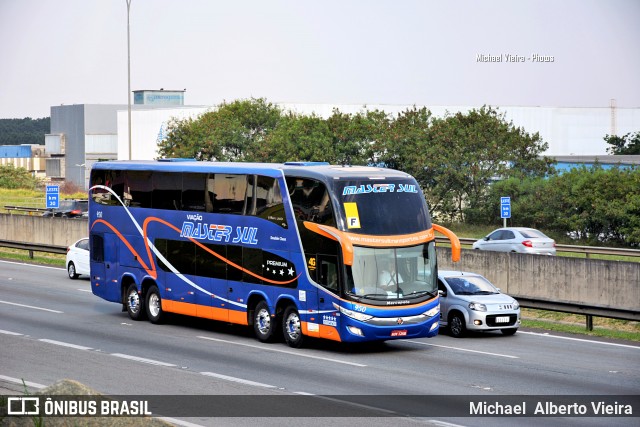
(53, 196)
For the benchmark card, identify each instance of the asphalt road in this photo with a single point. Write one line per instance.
(52, 328)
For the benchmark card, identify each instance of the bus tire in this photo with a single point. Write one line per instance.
(153, 305)
(291, 328)
(134, 303)
(264, 325)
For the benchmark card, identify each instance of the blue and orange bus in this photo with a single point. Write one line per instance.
(295, 249)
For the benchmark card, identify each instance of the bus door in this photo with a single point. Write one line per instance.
(104, 266)
(327, 275)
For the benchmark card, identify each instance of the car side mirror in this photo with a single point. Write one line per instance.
(486, 238)
(442, 293)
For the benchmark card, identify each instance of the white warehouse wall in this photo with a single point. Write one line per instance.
(568, 131)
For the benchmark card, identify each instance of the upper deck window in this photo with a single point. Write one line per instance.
(383, 207)
(310, 200)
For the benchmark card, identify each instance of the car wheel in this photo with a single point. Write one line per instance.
(457, 327)
(263, 324)
(154, 305)
(71, 269)
(291, 327)
(509, 331)
(134, 303)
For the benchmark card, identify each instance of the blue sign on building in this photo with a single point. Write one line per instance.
(505, 207)
(53, 197)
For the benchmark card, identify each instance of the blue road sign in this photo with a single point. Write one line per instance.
(53, 196)
(505, 207)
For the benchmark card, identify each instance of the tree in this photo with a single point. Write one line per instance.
(24, 131)
(458, 157)
(12, 177)
(302, 138)
(233, 132)
(627, 144)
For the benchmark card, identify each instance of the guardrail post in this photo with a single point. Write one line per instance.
(589, 322)
(30, 254)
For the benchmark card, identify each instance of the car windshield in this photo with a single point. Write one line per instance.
(471, 285)
(382, 274)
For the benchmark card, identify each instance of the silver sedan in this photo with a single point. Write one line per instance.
(517, 239)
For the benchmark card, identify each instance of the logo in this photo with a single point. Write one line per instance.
(23, 406)
(400, 321)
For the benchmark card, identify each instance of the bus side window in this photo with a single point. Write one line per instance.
(193, 192)
(138, 188)
(229, 193)
(166, 190)
(268, 201)
(311, 201)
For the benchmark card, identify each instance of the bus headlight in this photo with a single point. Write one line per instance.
(354, 314)
(432, 312)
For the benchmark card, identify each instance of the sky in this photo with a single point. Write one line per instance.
(361, 52)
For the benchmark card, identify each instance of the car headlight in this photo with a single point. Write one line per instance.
(477, 306)
(516, 305)
(354, 314)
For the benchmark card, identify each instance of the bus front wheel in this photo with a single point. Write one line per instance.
(134, 303)
(154, 305)
(291, 327)
(263, 324)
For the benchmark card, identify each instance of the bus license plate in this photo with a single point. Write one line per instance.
(399, 333)
(502, 319)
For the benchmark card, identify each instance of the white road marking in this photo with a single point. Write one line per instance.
(30, 306)
(142, 359)
(2, 331)
(65, 344)
(236, 380)
(20, 381)
(34, 265)
(85, 290)
(580, 339)
(444, 424)
(178, 422)
(464, 349)
(360, 365)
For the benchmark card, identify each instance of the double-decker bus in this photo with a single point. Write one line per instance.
(299, 249)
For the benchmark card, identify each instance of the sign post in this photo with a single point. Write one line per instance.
(53, 197)
(505, 209)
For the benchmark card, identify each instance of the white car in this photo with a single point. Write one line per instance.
(468, 301)
(517, 239)
(78, 258)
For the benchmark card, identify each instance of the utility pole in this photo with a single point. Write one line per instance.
(129, 77)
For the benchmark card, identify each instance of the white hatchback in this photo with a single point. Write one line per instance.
(468, 301)
(78, 258)
(517, 239)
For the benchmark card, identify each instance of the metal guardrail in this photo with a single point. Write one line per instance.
(587, 250)
(33, 247)
(30, 211)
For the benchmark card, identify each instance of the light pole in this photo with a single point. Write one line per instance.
(129, 77)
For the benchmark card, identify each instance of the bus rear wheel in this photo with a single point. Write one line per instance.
(263, 324)
(133, 302)
(291, 327)
(154, 305)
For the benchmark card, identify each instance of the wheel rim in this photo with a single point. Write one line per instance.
(134, 302)
(154, 305)
(456, 325)
(72, 270)
(293, 326)
(263, 320)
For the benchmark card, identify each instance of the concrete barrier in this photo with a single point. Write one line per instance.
(42, 230)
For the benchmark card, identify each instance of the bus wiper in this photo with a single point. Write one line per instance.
(375, 296)
(420, 293)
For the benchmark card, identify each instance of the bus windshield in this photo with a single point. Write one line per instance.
(393, 273)
(386, 207)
